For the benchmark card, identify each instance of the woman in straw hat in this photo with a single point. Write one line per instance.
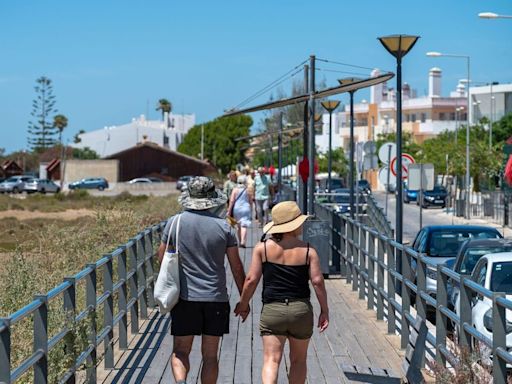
(287, 265)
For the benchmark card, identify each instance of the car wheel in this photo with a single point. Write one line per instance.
(101, 188)
(57, 190)
(43, 191)
(15, 190)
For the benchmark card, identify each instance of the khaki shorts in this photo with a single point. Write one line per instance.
(293, 319)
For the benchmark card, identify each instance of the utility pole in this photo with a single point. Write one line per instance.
(280, 155)
(311, 137)
(305, 139)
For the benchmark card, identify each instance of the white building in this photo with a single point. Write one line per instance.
(490, 101)
(114, 139)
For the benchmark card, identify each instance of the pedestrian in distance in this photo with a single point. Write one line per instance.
(240, 204)
(262, 187)
(203, 308)
(287, 264)
(230, 183)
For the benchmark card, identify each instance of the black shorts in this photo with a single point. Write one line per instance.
(200, 318)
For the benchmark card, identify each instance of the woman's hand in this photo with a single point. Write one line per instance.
(242, 311)
(323, 321)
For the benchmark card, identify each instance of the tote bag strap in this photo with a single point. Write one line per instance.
(177, 233)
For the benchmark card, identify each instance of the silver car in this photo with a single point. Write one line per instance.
(14, 184)
(41, 185)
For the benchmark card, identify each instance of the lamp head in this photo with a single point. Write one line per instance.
(488, 15)
(434, 54)
(398, 45)
(330, 105)
(348, 80)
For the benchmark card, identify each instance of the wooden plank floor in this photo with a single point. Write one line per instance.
(354, 338)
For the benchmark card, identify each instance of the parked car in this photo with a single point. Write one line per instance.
(140, 180)
(182, 182)
(470, 252)
(440, 243)
(409, 194)
(336, 183)
(155, 179)
(14, 184)
(493, 272)
(99, 183)
(41, 185)
(436, 197)
(340, 201)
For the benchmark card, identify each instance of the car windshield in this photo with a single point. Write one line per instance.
(341, 199)
(447, 243)
(501, 277)
(12, 179)
(472, 255)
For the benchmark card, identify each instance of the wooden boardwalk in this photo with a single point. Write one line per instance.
(354, 338)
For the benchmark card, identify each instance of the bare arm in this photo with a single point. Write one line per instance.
(232, 199)
(252, 279)
(236, 267)
(317, 279)
(160, 252)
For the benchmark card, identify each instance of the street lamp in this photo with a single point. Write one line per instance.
(492, 15)
(468, 177)
(330, 106)
(399, 46)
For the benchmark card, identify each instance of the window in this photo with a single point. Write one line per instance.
(501, 280)
(442, 116)
(480, 279)
(452, 116)
(413, 117)
(407, 117)
(423, 117)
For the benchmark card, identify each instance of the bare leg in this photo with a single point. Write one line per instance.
(298, 358)
(243, 235)
(272, 354)
(179, 358)
(239, 232)
(210, 349)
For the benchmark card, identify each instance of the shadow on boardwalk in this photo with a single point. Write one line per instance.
(354, 349)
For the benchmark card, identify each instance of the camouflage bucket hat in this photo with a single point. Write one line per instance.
(201, 194)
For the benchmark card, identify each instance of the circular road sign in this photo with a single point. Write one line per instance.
(406, 161)
(383, 177)
(384, 150)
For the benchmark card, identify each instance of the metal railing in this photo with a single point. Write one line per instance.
(124, 277)
(368, 260)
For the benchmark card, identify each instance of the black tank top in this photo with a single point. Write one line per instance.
(285, 282)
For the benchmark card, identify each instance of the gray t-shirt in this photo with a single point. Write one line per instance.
(203, 239)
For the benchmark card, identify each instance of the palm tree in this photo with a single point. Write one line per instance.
(164, 105)
(60, 122)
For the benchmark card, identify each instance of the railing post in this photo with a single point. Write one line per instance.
(355, 255)
(465, 313)
(335, 241)
(350, 256)
(390, 254)
(41, 339)
(499, 323)
(123, 291)
(108, 312)
(90, 288)
(134, 289)
(343, 246)
(150, 271)
(441, 320)
(421, 286)
(371, 269)
(141, 276)
(362, 261)
(70, 313)
(5, 350)
(381, 245)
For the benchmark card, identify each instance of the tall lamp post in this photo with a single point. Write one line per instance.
(399, 46)
(330, 106)
(468, 177)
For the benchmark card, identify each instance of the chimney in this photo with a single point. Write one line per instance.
(434, 82)
(377, 91)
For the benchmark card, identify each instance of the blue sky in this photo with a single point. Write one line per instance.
(109, 60)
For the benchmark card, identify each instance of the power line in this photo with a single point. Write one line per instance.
(345, 72)
(273, 84)
(345, 64)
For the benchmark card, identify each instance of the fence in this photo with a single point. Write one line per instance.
(124, 277)
(368, 260)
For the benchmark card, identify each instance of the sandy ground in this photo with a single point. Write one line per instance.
(70, 214)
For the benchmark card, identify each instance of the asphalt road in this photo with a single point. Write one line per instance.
(431, 216)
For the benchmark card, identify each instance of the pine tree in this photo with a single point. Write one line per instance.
(42, 131)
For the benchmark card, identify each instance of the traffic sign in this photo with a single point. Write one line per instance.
(383, 177)
(385, 150)
(415, 181)
(370, 148)
(406, 161)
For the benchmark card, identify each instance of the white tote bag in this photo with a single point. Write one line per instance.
(167, 287)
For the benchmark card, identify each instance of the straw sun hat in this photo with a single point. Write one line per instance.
(286, 217)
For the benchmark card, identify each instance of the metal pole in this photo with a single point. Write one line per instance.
(305, 139)
(311, 137)
(389, 171)
(491, 119)
(421, 195)
(280, 155)
(399, 215)
(329, 165)
(468, 176)
(351, 160)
